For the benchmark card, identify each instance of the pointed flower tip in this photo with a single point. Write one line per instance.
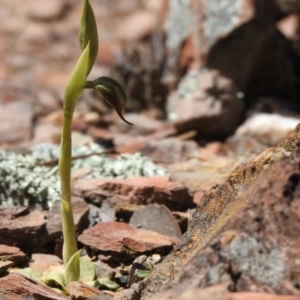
(112, 92)
(88, 33)
(122, 118)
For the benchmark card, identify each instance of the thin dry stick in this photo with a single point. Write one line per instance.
(56, 160)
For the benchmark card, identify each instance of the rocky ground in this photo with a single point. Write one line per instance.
(200, 198)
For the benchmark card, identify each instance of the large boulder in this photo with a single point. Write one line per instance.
(244, 234)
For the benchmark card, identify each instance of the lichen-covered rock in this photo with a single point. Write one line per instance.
(244, 233)
(31, 179)
(205, 101)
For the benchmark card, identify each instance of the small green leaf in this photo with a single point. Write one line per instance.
(72, 271)
(87, 269)
(55, 280)
(28, 272)
(88, 33)
(76, 82)
(142, 273)
(94, 283)
(107, 284)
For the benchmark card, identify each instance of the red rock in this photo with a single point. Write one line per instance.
(80, 173)
(136, 26)
(54, 223)
(107, 52)
(101, 133)
(16, 286)
(217, 292)
(198, 196)
(261, 131)
(80, 290)
(187, 55)
(143, 124)
(261, 296)
(42, 262)
(288, 26)
(92, 118)
(34, 33)
(56, 80)
(208, 170)
(23, 231)
(213, 148)
(198, 109)
(54, 118)
(131, 148)
(43, 11)
(220, 292)
(13, 212)
(5, 265)
(48, 100)
(13, 254)
(80, 139)
(4, 250)
(12, 127)
(115, 8)
(117, 237)
(165, 132)
(155, 5)
(78, 122)
(46, 133)
(123, 139)
(169, 150)
(138, 190)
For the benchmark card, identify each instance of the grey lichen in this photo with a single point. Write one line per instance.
(257, 259)
(26, 180)
(188, 84)
(221, 16)
(178, 23)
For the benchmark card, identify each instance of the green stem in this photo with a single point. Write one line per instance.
(65, 160)
(89, 85)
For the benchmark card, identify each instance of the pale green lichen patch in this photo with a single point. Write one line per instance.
(27, 181)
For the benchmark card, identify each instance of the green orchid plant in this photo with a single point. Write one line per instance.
(114, 94)
(75, 267)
